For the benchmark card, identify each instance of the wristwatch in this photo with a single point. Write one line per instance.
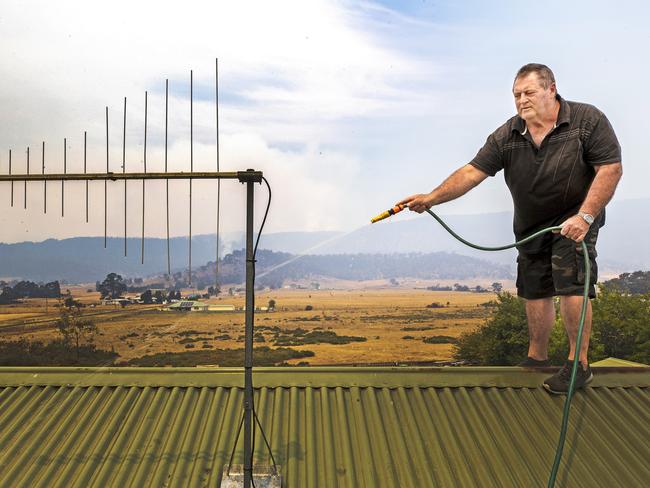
(587, 217)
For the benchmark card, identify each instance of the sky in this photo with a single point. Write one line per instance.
(346, 107)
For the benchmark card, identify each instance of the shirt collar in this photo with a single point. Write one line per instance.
(563, 117)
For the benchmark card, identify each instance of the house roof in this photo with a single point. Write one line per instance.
(188, 304)
(618, 362)
(342, 427)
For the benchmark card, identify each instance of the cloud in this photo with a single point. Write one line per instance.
(347, 106)
(290, 72)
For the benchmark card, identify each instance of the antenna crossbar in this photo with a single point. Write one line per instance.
(242, 176)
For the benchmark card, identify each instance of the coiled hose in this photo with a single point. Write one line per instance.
(585, 298)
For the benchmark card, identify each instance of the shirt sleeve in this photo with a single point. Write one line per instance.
(602, 146)
(489, 158)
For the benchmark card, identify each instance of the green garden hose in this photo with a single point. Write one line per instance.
(569, 397)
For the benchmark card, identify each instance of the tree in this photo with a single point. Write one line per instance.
(147, 297)
(636, 282)
(70, 302)
(25, 289)
(502, 340)
(271, 304)
(621, 327)
(497, 287)
(112, 287)
(159, 297)
(8, 295)
(74, 327)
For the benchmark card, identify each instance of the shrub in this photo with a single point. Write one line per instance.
(440, 339)
(56, 353)
(300, 336)
(501, 340)
(263, 356)
(620, 329)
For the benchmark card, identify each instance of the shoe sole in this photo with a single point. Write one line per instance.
(555, 392)
(545, 363)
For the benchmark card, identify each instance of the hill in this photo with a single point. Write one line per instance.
(273, 268)
(624, 245)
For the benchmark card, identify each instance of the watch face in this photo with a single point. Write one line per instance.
(588, 218)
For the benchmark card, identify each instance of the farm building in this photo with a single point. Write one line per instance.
(327, 427)
(188, 306)
(117, 301)
(260, 309)
(222, 308)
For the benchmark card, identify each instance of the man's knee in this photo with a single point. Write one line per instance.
(539, 305)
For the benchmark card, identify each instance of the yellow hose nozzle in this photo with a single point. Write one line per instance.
(388, 213)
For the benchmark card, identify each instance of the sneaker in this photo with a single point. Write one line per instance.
(559, 382)
(534, 363)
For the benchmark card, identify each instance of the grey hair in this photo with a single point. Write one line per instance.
(544, 73)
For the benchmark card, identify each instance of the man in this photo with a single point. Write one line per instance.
(561, 163)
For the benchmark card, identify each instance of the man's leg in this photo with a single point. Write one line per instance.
(541, 317)
(570, 309)
(569, 276)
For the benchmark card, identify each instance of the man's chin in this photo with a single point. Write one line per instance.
(526, 114)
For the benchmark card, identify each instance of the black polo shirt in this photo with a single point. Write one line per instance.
(549, 183)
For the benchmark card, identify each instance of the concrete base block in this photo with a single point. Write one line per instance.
(264, 476)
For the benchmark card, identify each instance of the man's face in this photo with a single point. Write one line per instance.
(533, 101)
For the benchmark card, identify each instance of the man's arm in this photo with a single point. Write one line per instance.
(457, 184)
(600, 193)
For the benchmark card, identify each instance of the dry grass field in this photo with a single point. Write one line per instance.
(387, 325)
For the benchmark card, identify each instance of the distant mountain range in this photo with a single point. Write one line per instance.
(275, 268)
(624, 245)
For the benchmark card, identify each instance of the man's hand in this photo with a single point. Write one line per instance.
(417, 203)
(575, 228)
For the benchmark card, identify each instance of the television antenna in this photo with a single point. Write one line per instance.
(248, 177)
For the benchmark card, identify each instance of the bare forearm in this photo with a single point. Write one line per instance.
(460, 182)
(602, 189)
(457, 184)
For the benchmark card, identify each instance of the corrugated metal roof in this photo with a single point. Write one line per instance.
(617, 362)
(338, 427)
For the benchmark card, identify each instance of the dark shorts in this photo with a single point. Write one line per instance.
(559, 270)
